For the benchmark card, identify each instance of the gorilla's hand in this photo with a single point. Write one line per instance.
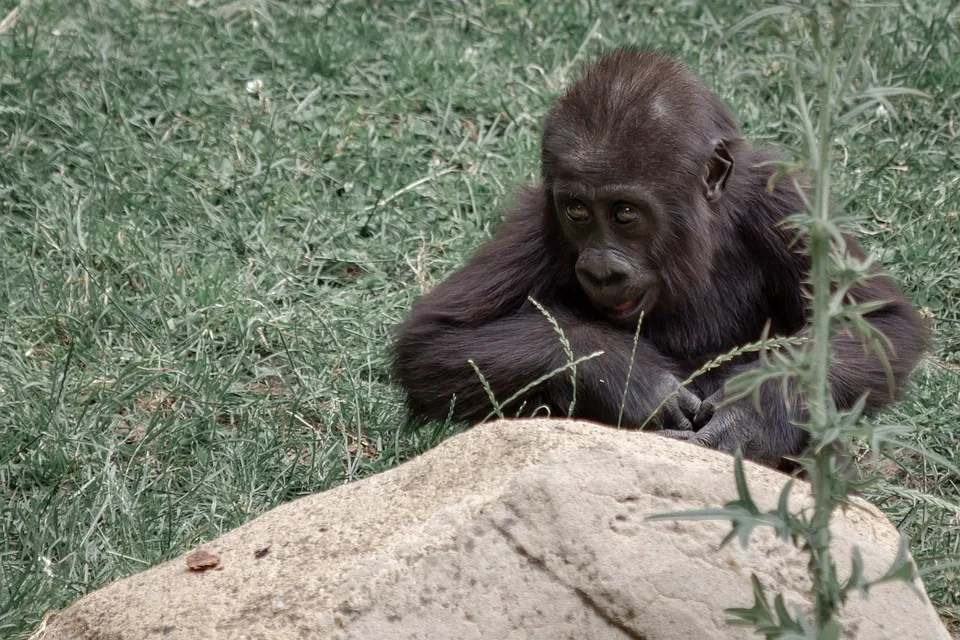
(679, 406)
(728, 426)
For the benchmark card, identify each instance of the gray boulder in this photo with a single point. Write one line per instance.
(522, 529)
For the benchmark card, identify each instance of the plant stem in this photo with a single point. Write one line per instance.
(818, 391)
(822, 569)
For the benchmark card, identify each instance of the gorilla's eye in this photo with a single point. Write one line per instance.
(576, 211)
(625, 213)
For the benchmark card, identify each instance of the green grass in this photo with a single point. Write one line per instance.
(198, 282)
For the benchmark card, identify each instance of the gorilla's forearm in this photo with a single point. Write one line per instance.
(432, 363)
(857, 368)
(769, 429)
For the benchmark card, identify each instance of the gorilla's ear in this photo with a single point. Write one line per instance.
(719, 170)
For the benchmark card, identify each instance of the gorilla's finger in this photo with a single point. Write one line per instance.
(728, 430)
(710, 435)
(719, 427)
(708, 407)
(675, 434)
(677, 416)
(689, 403)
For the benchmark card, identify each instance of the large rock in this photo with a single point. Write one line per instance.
(527, 529)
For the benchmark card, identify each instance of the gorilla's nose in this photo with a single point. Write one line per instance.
(600, 270)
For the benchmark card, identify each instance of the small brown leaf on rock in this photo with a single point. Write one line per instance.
(201, 560)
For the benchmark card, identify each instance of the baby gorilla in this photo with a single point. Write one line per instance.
(651, 202)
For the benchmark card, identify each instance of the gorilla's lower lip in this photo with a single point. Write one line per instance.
(629, 308)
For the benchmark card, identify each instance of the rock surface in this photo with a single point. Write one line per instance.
(524, 529)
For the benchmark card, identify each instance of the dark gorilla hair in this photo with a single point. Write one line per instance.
(651, 202)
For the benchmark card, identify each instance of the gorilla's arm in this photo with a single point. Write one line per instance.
(856, 370)
(513, 351)
(481, 313)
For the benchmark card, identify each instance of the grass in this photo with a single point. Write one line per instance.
(212, 214)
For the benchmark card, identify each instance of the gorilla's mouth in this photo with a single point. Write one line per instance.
(626, 309)
(633, 306)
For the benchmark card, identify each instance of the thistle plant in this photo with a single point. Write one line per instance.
(824, 44)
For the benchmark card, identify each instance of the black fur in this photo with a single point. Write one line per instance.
(639, 130)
